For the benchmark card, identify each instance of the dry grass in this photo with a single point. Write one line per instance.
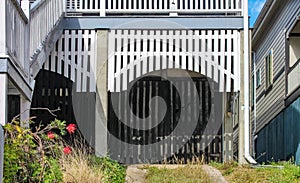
(77, 169)
(245, 174)
(180, 174)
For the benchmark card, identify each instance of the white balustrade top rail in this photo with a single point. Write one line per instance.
(44, 16)
(155, 7)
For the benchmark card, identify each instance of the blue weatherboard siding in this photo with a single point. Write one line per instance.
(280, 139)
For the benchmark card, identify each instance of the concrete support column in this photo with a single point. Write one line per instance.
(24, 109)
(227, 131)
(241, 145)
(101, 131)
(3, 116)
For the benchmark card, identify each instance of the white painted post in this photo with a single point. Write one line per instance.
(173, 6)
(102, 8)
(2, 27)
(3, 117)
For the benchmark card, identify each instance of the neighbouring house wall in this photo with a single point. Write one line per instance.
(272, 36)
(280, 140)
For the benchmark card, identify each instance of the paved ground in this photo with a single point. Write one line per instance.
(135, 173)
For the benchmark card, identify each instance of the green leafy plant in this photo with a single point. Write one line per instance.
(32, 156)
(112, 170)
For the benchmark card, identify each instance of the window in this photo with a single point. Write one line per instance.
(269, 69)
(253, 90)
(258, 81)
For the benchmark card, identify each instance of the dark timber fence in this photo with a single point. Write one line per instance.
(139, 97)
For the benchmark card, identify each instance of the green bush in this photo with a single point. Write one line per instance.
(112, 170)
(32, 156)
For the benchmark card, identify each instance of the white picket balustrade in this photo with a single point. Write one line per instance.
(155, 7)
(44, 16)
(213, 53)
(16, 33)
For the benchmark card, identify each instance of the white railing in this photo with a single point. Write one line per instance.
(16, 33)
(112, 7)
(44, 16)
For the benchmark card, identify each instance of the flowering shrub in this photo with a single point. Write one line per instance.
(43, 156)
(51, 135)
(67, 150)
(33, 156)
(71, 128)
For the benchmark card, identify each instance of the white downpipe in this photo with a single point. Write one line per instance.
(246, 86)
(254, 100)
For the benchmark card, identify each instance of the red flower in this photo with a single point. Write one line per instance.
(67, 150)
(50, 135)
(71, 128)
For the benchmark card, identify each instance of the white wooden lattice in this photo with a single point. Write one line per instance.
(213, 53)
(74, 57)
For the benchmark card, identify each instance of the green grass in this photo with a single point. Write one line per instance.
(246, 174)
(186, 174)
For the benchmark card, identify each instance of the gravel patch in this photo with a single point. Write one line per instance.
(215, 174)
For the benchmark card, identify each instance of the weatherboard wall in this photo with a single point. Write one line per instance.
(272, 36)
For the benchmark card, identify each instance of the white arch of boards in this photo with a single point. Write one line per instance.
(134, 53)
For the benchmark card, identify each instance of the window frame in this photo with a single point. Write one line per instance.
(258, 78)
(269, 69)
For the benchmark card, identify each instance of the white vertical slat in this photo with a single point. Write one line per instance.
(93, 62)
(53, 61)
(203, 54)
(155, 4)
(125, 54)
(132, 37)
(151, 54)
(215, 55)
(231, 4)
(228, 71)
(196, 4)
(138, 53)
(144, 53)
(85, 5)
(111, 62)
(79, 61)
(170, 52)
(206, 5)
(165, 4)
(129, 4)
(118, 56)
(157, 53)
(109, 4)
(184, 38)
(134, 5)
(66, 52)
(176, 61)
(208, 54)
(222, 55)
(73, 35)
(217, 4)
(196, 38)
(85, 57)
(190, 50)
(222, 4)
(186, 4)
(164, 49)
